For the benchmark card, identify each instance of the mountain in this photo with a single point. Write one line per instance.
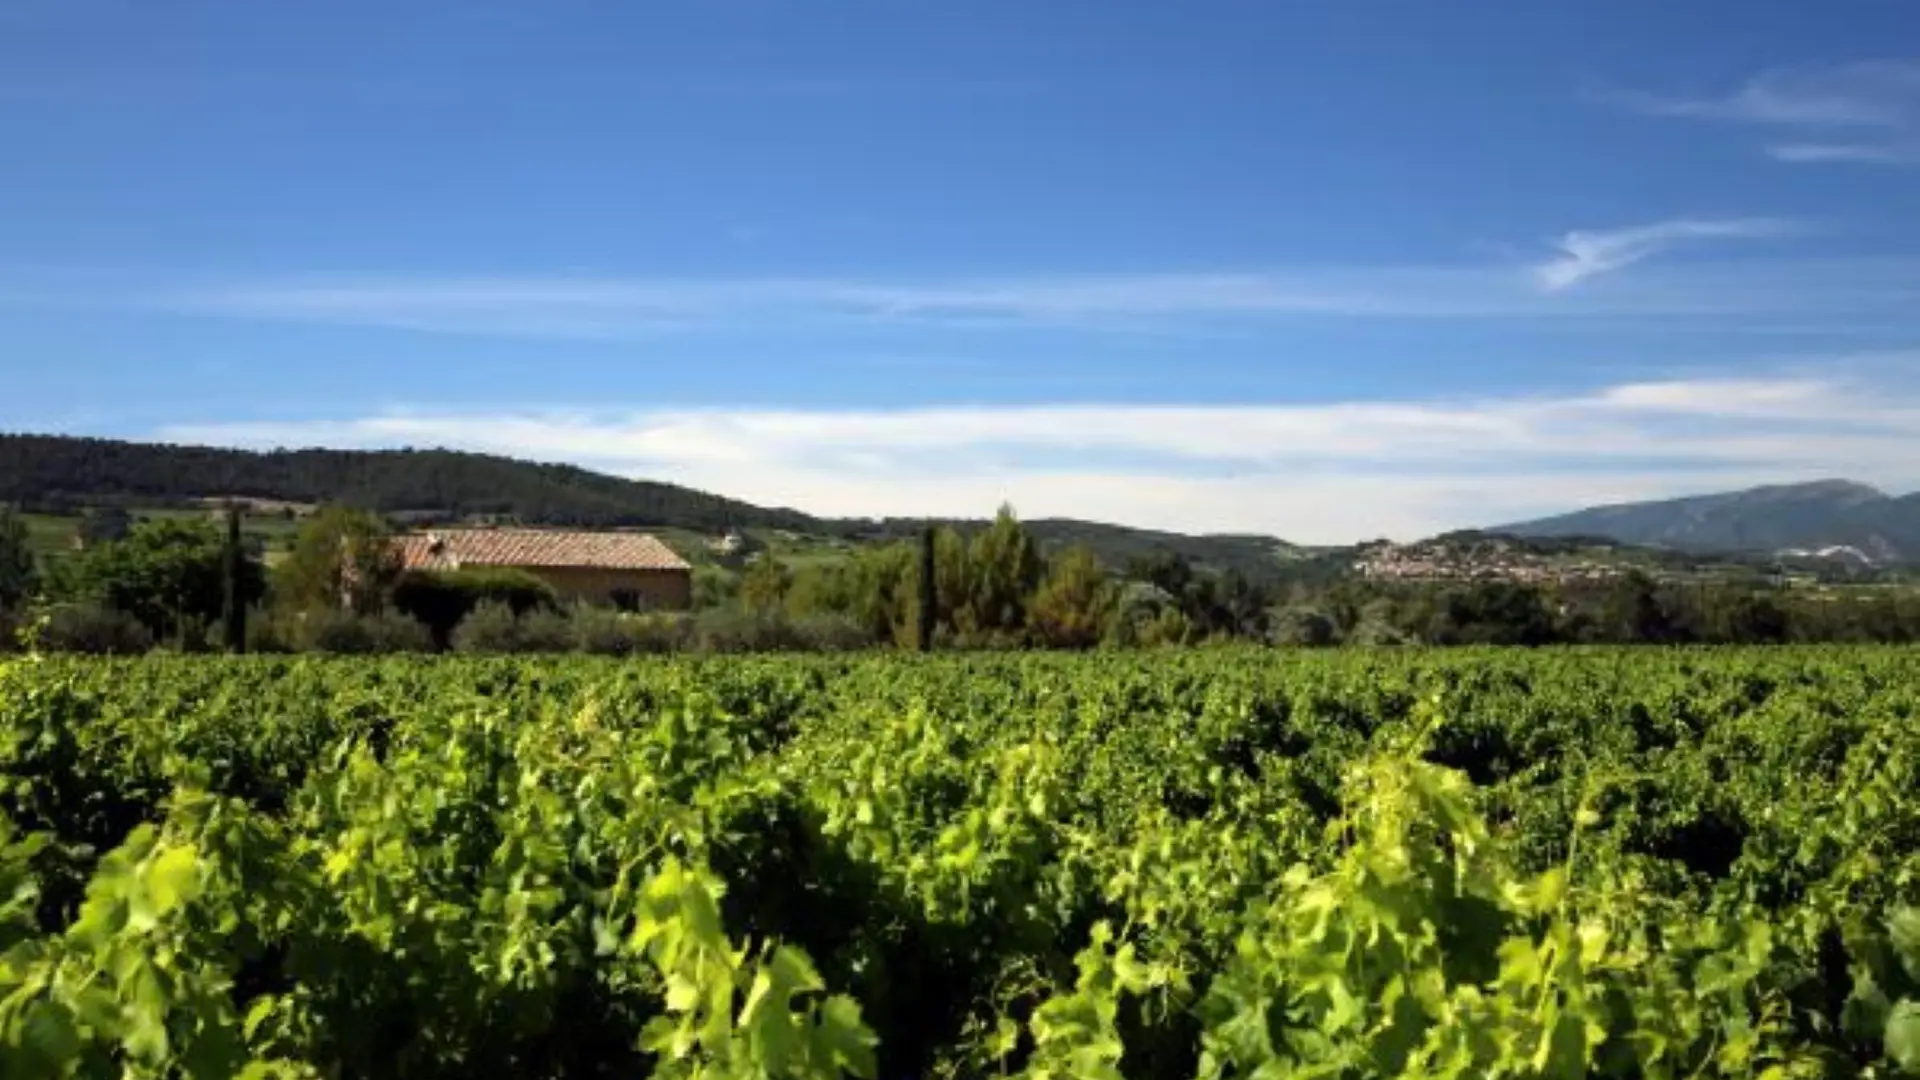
(55, 472)
(1836, 514)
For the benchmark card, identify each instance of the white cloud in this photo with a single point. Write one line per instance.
(1314, 472)
(1865, 153)
(1587, 254)
(1876, 102)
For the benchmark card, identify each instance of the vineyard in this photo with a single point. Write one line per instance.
(1236, 863)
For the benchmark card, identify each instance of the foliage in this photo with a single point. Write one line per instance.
(829, 633)
(344, 633)
(730, 1014)
(494, 628)
(1006, 568)
(440, 599)
(102, 524)
(18, 574)
(450, 483)
(342, 558)
(92, 629)
(1303, 626)
(1072, 607)
(713, 587)
(1204, 863)
(169, 574)
(619, 633)
(764, 586)
(736, 631)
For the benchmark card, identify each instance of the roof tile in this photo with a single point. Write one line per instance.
(446, 549)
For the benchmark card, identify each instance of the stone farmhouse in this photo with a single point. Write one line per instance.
(626, 569)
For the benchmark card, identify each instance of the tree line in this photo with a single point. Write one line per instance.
(189, 584)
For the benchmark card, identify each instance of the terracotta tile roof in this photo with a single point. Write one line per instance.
(447, 549)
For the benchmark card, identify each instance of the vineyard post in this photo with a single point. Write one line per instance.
(233, 599)
(927, 597)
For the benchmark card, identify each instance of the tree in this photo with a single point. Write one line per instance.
(1228, 604)
(881, 587)
(341, 558)
(765, 584)
(1167, 571)
(929, 595)
(1487, 613)
(956, 580)
(170, 574)
(102, 525)
(1631, 612)
(1073, 605)
(713, 587)
(1007, 567)
(17, 572)
(1304, 626)
(233, 604)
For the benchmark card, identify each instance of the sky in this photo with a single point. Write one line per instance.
(1323, 271)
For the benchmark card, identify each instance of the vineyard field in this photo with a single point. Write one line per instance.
(1196, 864)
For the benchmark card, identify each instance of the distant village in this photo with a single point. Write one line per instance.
(1480, 559)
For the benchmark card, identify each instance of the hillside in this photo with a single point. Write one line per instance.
(1824, 514)
(58, 473)
(48, 470)
(1261, 557)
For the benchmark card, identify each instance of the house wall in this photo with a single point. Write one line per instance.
(670, 590)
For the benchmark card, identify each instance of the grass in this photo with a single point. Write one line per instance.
(48, 534)
(51, 535)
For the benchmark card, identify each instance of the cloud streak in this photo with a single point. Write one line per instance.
(1843, 290)
(1861, 153)
(1587, 254)
(1319, 472)
(1865, 112)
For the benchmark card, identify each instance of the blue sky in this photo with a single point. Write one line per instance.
(1322, 270)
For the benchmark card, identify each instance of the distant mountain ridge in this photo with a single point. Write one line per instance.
(1798, 518)
(50, 470)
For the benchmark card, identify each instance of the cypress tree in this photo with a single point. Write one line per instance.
(233, 599)
(927, 594)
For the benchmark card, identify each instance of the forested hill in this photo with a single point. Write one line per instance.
(58, 472)
(37, 470)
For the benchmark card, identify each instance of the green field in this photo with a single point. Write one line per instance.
(51, 535)
(1211, 863)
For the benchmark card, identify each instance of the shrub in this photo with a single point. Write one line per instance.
(614, 633)
(267, 634)
(344, 633)
(714, 587)
(443, 599)
(93, 629)
(1303, 627)
(729, 630)
(1376, 632)
(830, 633)
(494, 628)
(488, 628)
(544, 631)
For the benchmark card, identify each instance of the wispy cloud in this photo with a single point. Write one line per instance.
(1844, 291)
(1316, 472)
(1864, 112)
(1586, 254)
(1863, 153)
